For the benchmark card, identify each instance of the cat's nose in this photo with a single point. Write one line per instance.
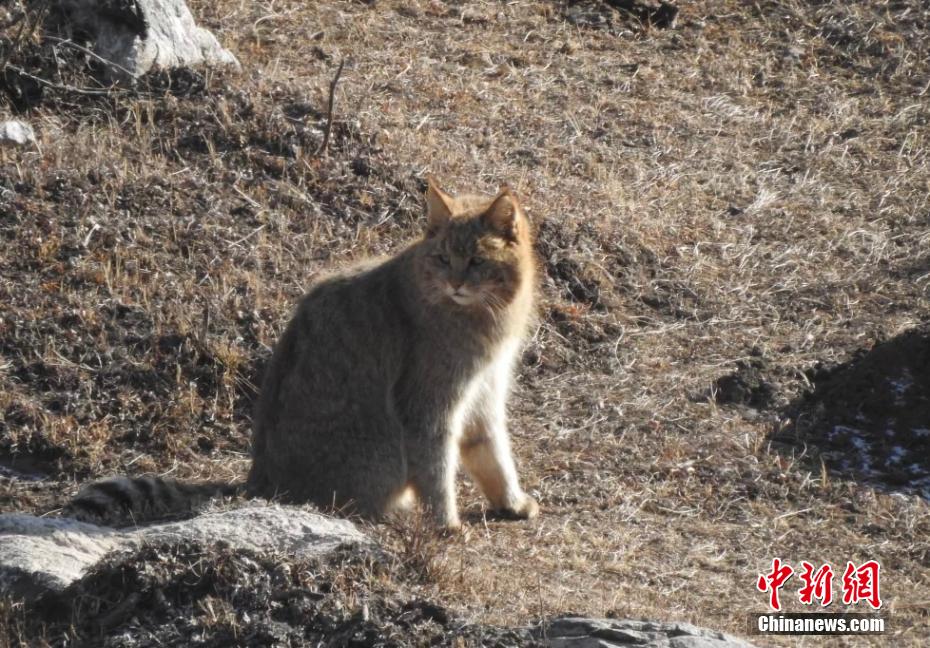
(456, 284)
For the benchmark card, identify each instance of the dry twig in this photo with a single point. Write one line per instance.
(324, 145)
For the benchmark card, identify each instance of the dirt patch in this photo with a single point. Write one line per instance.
(616, 15)
(23, 466)
(870, 417)
(748, 385)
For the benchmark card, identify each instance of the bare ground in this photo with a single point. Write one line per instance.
(730, 214)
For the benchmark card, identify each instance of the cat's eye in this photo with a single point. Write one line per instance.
(475, 261)
(443, 259)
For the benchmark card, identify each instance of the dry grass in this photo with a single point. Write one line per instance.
(752, 184)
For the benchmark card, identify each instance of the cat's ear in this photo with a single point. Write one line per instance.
(438, 205)
(501, 215)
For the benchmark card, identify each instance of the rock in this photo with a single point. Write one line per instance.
(42, 554)
(136, 36)
(577, 632)
(16, 133)
(39, 555)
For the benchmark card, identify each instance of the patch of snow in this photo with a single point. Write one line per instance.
(842, 429)
(901, 386)
(897, 455)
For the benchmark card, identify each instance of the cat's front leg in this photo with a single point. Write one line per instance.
(432, 465)
(485, 453)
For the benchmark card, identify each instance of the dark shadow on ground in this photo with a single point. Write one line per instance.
(869, 418)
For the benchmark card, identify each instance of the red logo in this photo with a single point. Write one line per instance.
(816, 585)
(861, 584)
(774, 581)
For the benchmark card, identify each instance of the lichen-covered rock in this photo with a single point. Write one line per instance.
(136, 36)
(578, 632)
(38, 555)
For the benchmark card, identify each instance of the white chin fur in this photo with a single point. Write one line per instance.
(461, 299)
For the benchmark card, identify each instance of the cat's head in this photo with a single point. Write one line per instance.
(477, 250)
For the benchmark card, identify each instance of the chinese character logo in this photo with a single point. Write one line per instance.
(861, 584)
(774, 581)
(817, 585)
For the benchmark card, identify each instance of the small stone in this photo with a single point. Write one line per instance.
(793, 53)
(16, 133)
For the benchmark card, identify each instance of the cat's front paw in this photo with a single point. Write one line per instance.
(451, 530)
(525, 510)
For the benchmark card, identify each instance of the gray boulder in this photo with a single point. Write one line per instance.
(40, 555)
(578, 632)
(135, 36)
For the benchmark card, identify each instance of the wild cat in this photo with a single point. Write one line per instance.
(388, 377)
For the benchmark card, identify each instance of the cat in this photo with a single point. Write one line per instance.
(392, 373)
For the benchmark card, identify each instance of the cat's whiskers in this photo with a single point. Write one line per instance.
(495, 307)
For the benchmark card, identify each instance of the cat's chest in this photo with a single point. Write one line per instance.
(457, 359)
(446, 375)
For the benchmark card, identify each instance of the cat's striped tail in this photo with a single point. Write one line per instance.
(124, 501)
